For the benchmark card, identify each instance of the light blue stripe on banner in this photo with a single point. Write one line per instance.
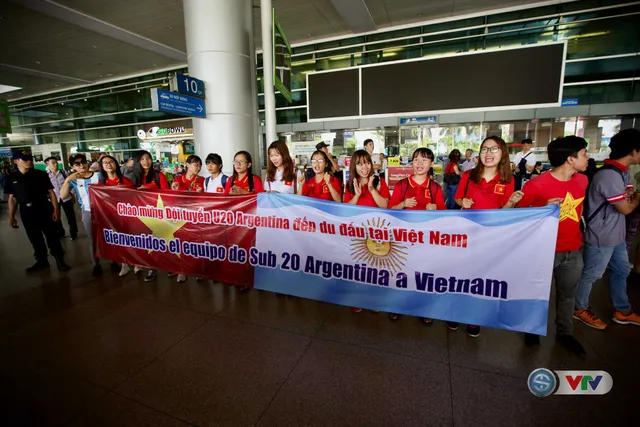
(489, 217)
(512, 315)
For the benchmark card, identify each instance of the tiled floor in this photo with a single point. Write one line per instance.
(120, 352)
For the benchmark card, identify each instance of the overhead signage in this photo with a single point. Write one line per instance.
(5, 119)
(156, 132)
(187, 85)
(418, 120)
(170, 102)
(281, 59)
(570, 102)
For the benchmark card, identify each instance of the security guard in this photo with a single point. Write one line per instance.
(32, 190)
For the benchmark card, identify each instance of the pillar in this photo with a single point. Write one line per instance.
(220, 52)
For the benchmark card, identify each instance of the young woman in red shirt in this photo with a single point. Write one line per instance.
(190, 180)
(364, 188)
(243, 181)
(322, 185)
(418, 192)
(145, 176)
(489, 185)
(111, 176)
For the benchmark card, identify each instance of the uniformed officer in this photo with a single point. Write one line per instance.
(32, 190)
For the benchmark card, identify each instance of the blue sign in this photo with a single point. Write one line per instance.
(170, 102)
(570, 102)
(188, 85)
(418, 120)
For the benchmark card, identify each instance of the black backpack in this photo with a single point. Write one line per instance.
(586, 220)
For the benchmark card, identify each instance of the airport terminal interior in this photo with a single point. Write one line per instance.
(86, 77)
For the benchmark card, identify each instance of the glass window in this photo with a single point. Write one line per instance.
(600, 93)
(602, 37)
(603, 69)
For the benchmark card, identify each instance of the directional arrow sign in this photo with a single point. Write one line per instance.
(170, 102)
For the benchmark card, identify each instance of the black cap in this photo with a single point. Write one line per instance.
(23, 155)
(321, 145)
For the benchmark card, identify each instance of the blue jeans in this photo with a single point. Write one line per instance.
(451, 192)
(596, 261)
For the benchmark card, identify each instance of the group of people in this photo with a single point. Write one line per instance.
(580, 259)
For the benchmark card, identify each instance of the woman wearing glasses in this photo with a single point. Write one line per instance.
(322, 185)
(243, 181)
(487, 186)
(418, 192)
(110, 174)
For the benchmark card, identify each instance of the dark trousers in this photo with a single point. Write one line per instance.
(567, 269)
(37, 222)
(71, 218)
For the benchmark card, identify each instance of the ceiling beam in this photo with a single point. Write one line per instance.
(41, 74)
(355, 14)
(90, 23)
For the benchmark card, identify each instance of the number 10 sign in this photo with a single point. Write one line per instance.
(187, 85)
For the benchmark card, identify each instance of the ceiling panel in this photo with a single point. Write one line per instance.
(158, 20)
(42, 43)
(30, 84)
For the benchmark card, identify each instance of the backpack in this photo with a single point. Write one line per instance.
(223, 181)
(451, 178)
(522, 165)
(586, 220)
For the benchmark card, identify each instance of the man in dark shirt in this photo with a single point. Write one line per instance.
(32, 190)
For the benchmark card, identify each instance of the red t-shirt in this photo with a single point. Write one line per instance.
(126, 182)
(366, 198)
(544, 187)
(485, 195)
(319, 190)
(193, 184)
(244, 184)
(164, 184)
(450, 168)
(426, 193)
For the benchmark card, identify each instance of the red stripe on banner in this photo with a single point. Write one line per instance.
(180, 232)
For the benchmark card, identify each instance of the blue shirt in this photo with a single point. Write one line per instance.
(81, 188)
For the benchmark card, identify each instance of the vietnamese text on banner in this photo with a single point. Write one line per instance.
(466, 266)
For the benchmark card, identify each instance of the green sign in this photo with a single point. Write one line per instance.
(5, 120)
(281, 59)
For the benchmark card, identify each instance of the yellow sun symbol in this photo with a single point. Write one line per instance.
(379, 254)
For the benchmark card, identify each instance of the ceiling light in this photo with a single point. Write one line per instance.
(38, 62)
(85, 100)
(94, 46)
(62, 103)
(138, 90)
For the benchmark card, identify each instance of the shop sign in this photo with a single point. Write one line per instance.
(157, 132)
(425, 120)
(570, 102)
(393, 161)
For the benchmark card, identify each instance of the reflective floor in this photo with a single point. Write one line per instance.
(80, 351)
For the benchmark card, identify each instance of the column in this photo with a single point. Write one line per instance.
(219, 37)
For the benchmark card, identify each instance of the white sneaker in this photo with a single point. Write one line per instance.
(124, 270)
(182, 278)
(137, 269)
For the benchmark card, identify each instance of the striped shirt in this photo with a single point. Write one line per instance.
(81, 188)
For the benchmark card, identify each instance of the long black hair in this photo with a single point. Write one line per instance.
(138, 171)
(247, 156)
(103, 173)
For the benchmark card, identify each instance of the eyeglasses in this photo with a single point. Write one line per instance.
(79, 163)
(108, 163)
(317, 162)
(240, 163)
(485, 150)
